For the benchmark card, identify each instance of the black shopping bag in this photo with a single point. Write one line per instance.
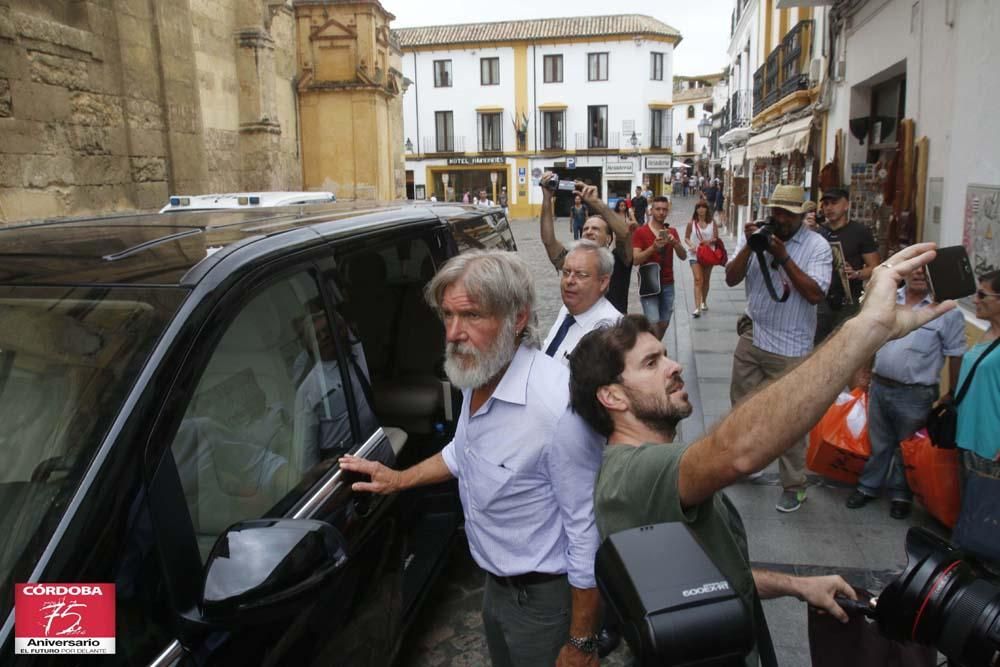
(858, 643)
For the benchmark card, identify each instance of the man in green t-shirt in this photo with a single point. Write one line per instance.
(625, 387)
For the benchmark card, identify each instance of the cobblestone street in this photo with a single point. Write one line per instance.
(864, 545)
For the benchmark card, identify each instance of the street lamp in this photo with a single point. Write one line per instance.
(705, 127)
(634, 140)
(680, 140)
(409, 145)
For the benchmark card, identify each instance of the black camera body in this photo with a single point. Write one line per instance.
(674, 605)
(555, 184)
(760, 239)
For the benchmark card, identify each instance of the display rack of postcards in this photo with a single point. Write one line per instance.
(866, 195)
(766, 175)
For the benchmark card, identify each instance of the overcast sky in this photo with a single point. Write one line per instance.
(704, 24)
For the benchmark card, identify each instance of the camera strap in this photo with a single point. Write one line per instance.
(766, 271)
(765, 647)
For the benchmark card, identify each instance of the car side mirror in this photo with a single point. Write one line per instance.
(265, 569)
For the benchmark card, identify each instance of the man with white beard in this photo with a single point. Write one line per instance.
(525, 464)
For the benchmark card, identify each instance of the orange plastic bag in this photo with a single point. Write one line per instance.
(839, 444)
(932, 474)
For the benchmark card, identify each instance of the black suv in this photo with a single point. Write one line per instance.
(175, 392)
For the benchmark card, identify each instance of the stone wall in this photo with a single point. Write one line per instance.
(110, 105)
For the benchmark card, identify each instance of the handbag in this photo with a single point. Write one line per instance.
(942, 420)
(649, 279)
(713, 254)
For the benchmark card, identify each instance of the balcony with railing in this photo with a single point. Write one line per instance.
(444, 144)
(795, 51)
(786, 69)
(612, 141)
(739, 109)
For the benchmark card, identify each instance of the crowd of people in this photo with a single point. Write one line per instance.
(566, 438)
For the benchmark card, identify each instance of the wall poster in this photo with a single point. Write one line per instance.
(981, 233)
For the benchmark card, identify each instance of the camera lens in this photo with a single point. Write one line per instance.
(941, 600)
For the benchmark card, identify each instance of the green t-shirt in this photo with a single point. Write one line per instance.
(637, 486)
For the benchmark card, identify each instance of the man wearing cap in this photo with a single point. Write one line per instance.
(860, 259)
(777, 335)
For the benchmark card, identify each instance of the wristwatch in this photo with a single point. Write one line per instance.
(784, 261)
(586, 644)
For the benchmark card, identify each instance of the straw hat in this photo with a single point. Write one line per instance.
(788, 197)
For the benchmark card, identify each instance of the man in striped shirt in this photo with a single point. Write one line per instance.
(775, 335)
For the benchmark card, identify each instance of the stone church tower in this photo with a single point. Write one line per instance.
(351, 99)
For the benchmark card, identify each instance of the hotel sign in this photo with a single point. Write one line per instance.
(476, 160)
(619, 168)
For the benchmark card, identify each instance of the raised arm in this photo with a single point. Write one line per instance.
(619, 224)
(746, 442)
(810, 281)
(553, 248)
(736, 269)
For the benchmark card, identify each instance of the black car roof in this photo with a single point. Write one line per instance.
(162, 249)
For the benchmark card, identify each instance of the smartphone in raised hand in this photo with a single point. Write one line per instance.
(950, 274)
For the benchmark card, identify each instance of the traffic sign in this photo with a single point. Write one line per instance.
(571, 163)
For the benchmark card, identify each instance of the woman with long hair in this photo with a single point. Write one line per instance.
(623, 209)
(704, 232)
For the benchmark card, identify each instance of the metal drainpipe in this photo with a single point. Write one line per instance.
(534, 93)
(416, 102)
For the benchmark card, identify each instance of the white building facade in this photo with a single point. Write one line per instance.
(694, 101)
(494, 105)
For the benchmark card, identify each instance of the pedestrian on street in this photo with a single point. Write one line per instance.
(904, 386)
(605, 228)
(777, 335)
(701, 231)
(577, 215)
(639, 206)
(502, 200)
(525, 464)
(658, 242)
(624, 210)
(860, 253)
(483, 200)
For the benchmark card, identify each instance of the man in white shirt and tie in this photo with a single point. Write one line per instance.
(585, 276)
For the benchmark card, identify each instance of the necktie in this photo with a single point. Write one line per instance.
(560, 335)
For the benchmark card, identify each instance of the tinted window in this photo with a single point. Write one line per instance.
(68, 358)
(270, 412)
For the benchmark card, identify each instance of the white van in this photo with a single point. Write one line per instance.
(237, 200)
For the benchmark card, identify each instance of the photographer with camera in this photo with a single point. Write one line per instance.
(603, 226)
(625, 387)
(657, 242)
(776, 333)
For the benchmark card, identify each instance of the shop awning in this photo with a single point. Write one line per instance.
(781, 140)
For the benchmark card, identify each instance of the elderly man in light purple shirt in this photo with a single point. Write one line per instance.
(525, 463)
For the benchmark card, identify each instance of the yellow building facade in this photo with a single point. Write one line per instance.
(350, 87)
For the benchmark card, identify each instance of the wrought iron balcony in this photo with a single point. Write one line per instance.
(444, 144)
(758, 90)
(739, 109)
(786, 69)
(612, 141)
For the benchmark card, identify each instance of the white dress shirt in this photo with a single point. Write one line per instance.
(601, 313)
(526, 465)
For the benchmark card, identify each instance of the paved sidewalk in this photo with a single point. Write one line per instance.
(863, 545)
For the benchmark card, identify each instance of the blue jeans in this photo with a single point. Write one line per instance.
(659, 307)
(894, 414)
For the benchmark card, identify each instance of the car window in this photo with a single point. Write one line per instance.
(480, 232)
(68, 358)
(270, 413)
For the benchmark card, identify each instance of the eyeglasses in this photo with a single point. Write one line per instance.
(580, 275)
(982, 295)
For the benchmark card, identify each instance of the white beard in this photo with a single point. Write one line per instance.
(479, 367)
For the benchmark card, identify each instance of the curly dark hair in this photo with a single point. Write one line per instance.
(599, 360)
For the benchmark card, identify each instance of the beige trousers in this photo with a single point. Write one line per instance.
(752, 369)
